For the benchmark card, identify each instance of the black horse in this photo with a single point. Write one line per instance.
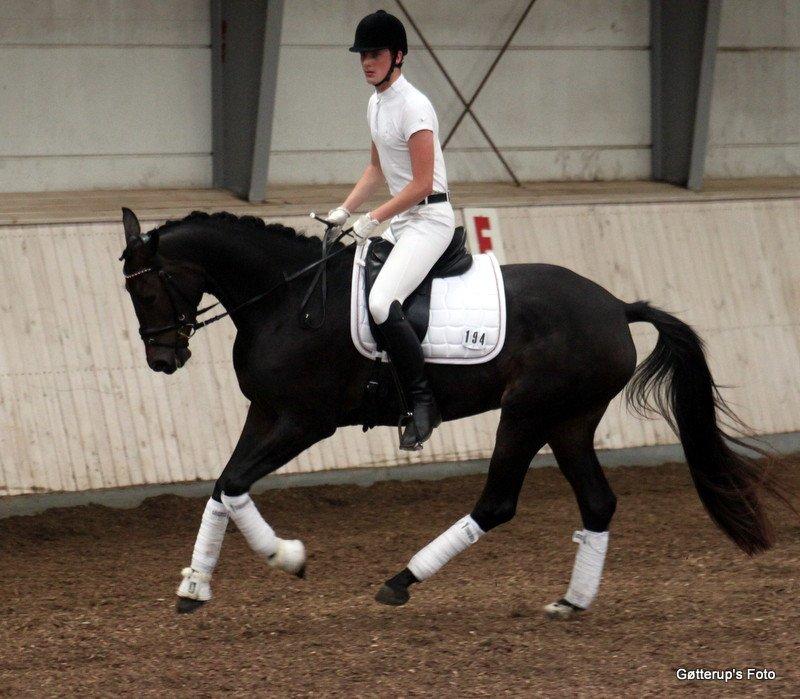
(568, 352)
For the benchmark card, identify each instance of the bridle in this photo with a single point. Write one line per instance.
(180, 316)
(186, 328)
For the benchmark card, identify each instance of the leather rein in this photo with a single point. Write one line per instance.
(186, 328)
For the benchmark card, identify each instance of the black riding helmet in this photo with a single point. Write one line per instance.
(380, 30)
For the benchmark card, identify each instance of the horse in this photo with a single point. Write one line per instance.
(568, 352)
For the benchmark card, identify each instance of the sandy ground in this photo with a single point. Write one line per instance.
(86, 596)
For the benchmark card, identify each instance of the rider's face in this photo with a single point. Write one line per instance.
(376, 64)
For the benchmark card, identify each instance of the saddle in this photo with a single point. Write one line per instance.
(455, 261)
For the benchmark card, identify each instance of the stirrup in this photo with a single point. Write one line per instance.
(406, 420)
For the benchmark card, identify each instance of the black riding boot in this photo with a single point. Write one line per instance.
(405, 351)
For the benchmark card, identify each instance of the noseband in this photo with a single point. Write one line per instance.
(181, 323)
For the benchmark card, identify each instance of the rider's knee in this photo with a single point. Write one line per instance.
(379, 304)
(490, 516)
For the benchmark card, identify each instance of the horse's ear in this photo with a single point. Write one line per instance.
(131, 225)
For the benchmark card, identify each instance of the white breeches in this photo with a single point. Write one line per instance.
(421, 238)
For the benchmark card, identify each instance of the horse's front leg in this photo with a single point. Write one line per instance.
(267, 442)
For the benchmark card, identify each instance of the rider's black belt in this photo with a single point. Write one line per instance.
(435, 198)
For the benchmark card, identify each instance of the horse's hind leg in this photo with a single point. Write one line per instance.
(573, 447)
(518, 440)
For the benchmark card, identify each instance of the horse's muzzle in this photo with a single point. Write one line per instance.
(182, 355)
(164, 366)
(170, 362)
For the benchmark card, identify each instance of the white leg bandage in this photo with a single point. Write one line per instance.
(209, 538)
(258, 534)
(429, 560)
(195, 585)
(588, 568)
(286, 554)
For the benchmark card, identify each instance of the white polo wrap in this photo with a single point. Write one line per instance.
(209, 538)
(258, 534)
(588, 568)
(429, 560)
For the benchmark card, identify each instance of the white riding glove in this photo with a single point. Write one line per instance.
(338, 216)
(364, 227)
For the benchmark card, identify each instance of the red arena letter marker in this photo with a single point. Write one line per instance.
(484, 241)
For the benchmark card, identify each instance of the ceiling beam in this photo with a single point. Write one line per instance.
(245, 46)
(683, 45)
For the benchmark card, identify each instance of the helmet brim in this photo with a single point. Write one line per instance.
(361, 49)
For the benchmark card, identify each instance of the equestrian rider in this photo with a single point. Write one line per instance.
(406, 153)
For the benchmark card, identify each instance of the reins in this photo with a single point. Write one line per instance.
(188, 329)
(323, 268)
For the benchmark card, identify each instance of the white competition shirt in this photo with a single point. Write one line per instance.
(394, 115)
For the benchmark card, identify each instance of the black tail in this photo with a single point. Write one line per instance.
(676, 382)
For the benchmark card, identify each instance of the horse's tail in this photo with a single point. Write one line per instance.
(676, 382)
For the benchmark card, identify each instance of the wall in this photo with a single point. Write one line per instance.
(755, 107)
(569, 100)
(104, 94)
(113, 93)
(79, 409)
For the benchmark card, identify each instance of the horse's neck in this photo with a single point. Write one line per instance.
(242, 263)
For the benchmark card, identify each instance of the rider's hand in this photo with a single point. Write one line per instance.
(364, 227)
(338, 216)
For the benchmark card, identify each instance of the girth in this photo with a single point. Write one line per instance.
(455, 260)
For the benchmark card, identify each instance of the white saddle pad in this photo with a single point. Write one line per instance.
(467, 319)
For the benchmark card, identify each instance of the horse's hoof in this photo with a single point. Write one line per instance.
(301, 573)
(392, 596)
(290, 557)
(184, 605)
(562, 610)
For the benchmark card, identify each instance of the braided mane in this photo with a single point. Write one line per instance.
(231, 222)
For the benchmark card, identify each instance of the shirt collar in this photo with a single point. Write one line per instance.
(394, 89)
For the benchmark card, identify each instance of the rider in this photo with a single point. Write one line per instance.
(406, 153)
